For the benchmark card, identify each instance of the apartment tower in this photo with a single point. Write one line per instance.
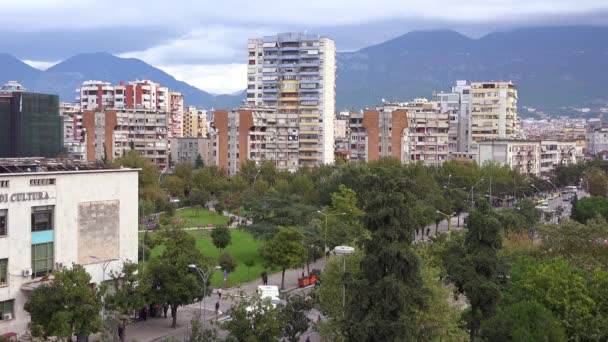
(295, 73)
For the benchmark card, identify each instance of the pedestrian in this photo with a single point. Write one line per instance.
(217, 307)
(302, 273)
(428, 231)
(165, 309)
(308, 339)
(417, 231)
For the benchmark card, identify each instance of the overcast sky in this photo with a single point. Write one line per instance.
(203, 42)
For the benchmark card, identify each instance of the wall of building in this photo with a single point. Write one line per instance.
(95, 213)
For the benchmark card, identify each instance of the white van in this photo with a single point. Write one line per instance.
(269, 291)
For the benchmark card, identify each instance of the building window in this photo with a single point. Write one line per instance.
(3, 222)
(42, 259)
(4, 184)
(3, 272)
(6, 310)
(42, 218)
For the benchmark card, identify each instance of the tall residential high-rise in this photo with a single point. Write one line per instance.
(30, 124)
(493, 111)
(295, 73)
(195, 122)
(457, 104)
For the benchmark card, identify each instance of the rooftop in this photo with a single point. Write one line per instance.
(28, 165)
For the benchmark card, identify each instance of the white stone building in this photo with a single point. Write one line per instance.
(54, 213)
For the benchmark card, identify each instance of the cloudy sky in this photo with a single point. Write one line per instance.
(203, 42)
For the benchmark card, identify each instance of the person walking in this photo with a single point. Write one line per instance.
(217, 308)
(219, 294)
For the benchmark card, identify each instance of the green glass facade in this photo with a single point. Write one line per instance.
(30, 125)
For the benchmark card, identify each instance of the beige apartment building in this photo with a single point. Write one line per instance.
(195, 122)
(428, 139)
(493, 111)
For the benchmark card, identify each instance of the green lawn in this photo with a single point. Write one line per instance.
(243, 247)
(190, 218)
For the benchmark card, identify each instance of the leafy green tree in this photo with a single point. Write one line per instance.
(329, 295)
(149, 187)
(565, 290)
(227, 262)
(221, 237)
(199, 163)
(253, 320)
(294, 317)
(387, 293)
(583, 245)
(596, 182)
(439, 319)
(285, 250)
(590, 207)
(174, 185)
(523, 321)
(197, 333)
(472, 265)
(66, 306)
(168, 277)
(127, 296)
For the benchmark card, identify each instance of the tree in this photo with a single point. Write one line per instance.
(569, 292)
(472, 265)
(387, 294)
(199, 335)
(294, 317)
(66, 306)
(590, 207)
(596, 182)
(581, 244)
(227, 262)
(253, 320)
(127, 296)
(168, 277)
(523, 321)
(199, 163)
(285, 250)
(221, 237)
(249, 262)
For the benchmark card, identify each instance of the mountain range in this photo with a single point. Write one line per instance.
(551, 66)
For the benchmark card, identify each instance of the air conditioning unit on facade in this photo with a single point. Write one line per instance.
(7, 317)
(26, 272)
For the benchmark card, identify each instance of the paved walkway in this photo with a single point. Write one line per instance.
(158, 328)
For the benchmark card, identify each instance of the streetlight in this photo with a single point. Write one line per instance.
(448, 217)
(473, 188)
(204, 278)
(344, 251)
(556, 189)
(325, 233)
(104, 266)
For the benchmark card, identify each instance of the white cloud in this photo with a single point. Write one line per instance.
(40, 65)
(217, 78)
(78, 14)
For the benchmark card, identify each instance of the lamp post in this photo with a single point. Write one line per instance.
(325, 232)
(556, 189)
(472, 190)
(448, 217)
(344, 251)
(204, 278)
(104, 266)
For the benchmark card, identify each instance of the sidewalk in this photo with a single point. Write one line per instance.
(157, 328)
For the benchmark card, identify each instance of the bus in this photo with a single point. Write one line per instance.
(571, 189)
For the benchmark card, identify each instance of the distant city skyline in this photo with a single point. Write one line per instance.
(204, 43)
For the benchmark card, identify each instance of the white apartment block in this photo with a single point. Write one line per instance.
(597, 141)
(295, 73)
(55, 213)
(534, 157)
(187, 150)
(457, 104)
